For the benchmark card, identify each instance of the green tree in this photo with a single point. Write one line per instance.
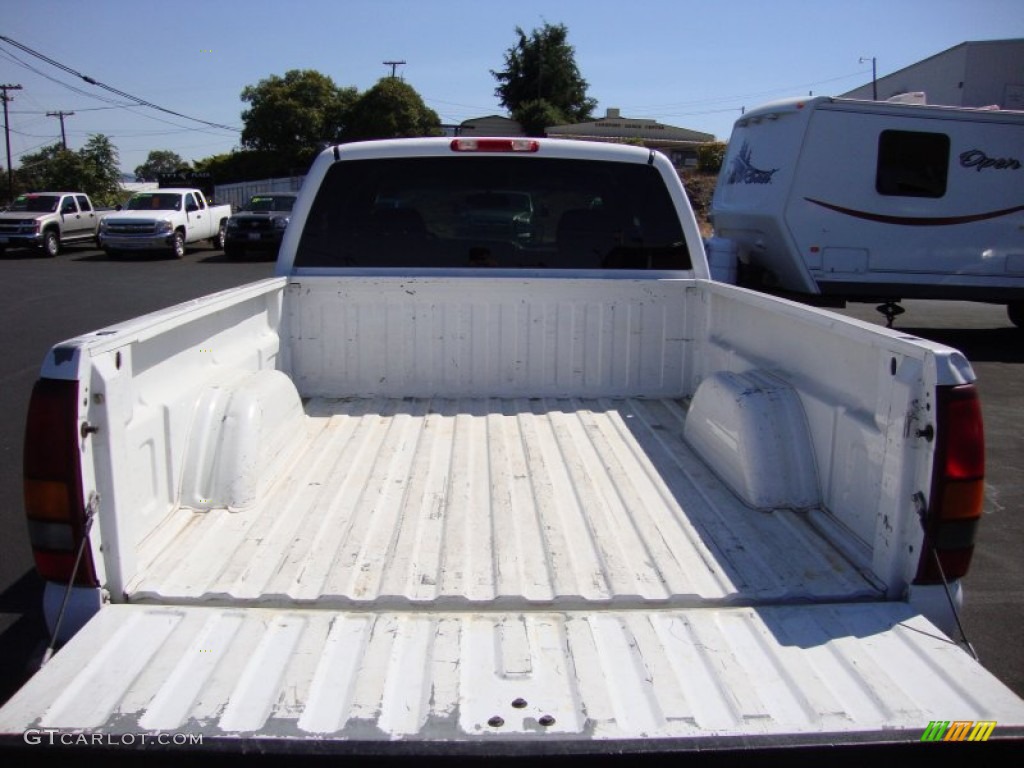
(537, 115)
(295, 115)
(43, 169)
(92, 169)
(101, 172)
(541, 79)
(159, 161)
(391, 109)
(249, 165)
(710, 156)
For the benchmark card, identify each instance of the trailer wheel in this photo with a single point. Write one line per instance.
(51, 243)
(1015, 311)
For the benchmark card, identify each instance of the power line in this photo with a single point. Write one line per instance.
(91, 81)
(80, 109)
(115, 104)
(721, 100)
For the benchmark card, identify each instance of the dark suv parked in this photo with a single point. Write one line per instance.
(259, 226)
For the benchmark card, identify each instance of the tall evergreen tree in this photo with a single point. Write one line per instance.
(541, 80)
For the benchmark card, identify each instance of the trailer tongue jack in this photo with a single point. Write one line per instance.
(891, 310)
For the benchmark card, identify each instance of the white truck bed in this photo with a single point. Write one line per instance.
(389, 504)
(503, 503)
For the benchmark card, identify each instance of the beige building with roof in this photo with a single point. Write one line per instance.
(679, 144)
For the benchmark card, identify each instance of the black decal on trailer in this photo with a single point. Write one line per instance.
(916, 221)
(743, 171)
(978, 160)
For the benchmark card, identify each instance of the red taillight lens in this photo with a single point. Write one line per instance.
(965, 450)
(53, 483)
(495, 145)
(958, 485)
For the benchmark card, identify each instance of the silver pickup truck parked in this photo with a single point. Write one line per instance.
(48, 221)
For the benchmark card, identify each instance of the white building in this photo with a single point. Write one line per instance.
(987, 73)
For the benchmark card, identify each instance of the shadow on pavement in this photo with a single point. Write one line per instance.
(23, 643)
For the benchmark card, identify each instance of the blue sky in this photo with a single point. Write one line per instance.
(686, 63)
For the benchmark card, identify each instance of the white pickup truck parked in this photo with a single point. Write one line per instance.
(164, 219)
(444, 492)
(48, 221)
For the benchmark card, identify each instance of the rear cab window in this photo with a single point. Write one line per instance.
(493, 212)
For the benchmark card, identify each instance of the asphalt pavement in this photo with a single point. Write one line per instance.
(50, 300)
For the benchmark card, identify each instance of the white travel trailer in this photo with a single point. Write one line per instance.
(876, 201)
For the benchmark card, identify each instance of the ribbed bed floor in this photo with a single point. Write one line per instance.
(495, 503)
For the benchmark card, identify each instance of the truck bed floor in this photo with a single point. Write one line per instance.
(494, 503)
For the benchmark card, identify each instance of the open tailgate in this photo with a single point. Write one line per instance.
(491, 682)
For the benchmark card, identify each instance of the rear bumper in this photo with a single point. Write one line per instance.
(834, 750)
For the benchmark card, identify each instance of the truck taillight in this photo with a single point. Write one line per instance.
(53, 484)
(958, 485)
(495, 145)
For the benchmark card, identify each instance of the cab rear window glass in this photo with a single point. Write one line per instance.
(912, 164)
(472, 211)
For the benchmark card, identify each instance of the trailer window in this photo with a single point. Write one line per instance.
(912, 164)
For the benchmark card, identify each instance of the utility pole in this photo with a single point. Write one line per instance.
(393, 65)
(61, 115)
(874, 76)
(7, 136)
